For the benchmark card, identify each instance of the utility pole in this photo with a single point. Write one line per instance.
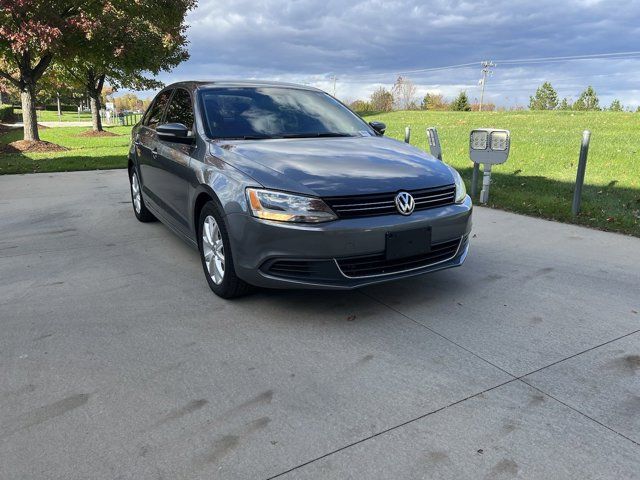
(487, 65)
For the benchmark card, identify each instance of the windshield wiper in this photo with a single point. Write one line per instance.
(315, 135)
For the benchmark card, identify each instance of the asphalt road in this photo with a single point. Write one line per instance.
(117, 362)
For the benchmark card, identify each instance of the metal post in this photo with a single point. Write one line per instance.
(434, 142)
(582, 167)
(407, 134)
(486, 182)
(474, 180)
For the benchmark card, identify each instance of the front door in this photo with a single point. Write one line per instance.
(174, 159)
(147, 144)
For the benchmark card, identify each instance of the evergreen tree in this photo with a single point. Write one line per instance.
(588, 100)
(616, 106)
(461, 103)
(546, 98)
(565, 104)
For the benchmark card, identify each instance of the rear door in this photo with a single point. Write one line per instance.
(147, 149)
(173, 160)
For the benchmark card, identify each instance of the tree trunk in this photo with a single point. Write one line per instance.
(95, 111)
(29, 118)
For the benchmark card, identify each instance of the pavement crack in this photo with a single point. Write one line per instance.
(579, 412)
(439, 334)
(395, 427)
(579, 353)
(521, 377)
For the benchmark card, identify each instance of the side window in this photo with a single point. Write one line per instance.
(154, 115)
(180, 109)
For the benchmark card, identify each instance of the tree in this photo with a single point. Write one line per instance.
(461, 103)
(128, 101)
(565, 104)
(381, 100)
(404, 93)
(434, 101)
(54, 89)
(131, 39)
(616, 106)
(107, 94)
(588, 100)
(546, 98)
(32, 33)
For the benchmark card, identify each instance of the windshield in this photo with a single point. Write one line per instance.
(276, 112)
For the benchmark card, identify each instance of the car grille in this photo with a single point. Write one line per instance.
(384, 203)
(377, 264)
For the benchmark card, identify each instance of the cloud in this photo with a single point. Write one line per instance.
(368, 42)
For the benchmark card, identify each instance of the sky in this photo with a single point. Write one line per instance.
(368, 43)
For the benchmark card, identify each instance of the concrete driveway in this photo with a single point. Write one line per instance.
(117, 362)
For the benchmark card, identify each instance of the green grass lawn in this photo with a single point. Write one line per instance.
(539, 176)
(48, 116)
(52, 116)
(85, 153)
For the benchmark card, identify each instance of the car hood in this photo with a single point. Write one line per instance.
(335, 166)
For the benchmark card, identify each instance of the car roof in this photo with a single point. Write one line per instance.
(197, 84)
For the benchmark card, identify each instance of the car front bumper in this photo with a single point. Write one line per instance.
(284, 255)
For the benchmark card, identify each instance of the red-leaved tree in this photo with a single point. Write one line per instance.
(32, 33)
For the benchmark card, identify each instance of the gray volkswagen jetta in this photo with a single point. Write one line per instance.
(281, 185)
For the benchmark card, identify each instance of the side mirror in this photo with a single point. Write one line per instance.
(174, 132)
(379, 127)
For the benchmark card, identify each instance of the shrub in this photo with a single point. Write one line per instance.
(360, 106)
(54, 108)
(381, 100)
(6, 113)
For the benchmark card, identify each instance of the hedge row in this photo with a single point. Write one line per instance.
(6, 113)
(54, 108)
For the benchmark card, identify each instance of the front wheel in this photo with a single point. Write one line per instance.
(216, 256)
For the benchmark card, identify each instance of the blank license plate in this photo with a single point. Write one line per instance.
(408, 243)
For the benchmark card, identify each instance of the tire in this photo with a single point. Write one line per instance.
(216, 256)
(139, 208)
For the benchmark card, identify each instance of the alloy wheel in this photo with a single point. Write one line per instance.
(213, 249)
(135, 190)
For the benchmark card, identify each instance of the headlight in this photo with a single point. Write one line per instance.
(285, 207)
(461, 190)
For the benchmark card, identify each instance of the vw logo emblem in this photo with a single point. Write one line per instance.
(405, 203)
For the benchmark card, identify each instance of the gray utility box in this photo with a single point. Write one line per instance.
(488, 146)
